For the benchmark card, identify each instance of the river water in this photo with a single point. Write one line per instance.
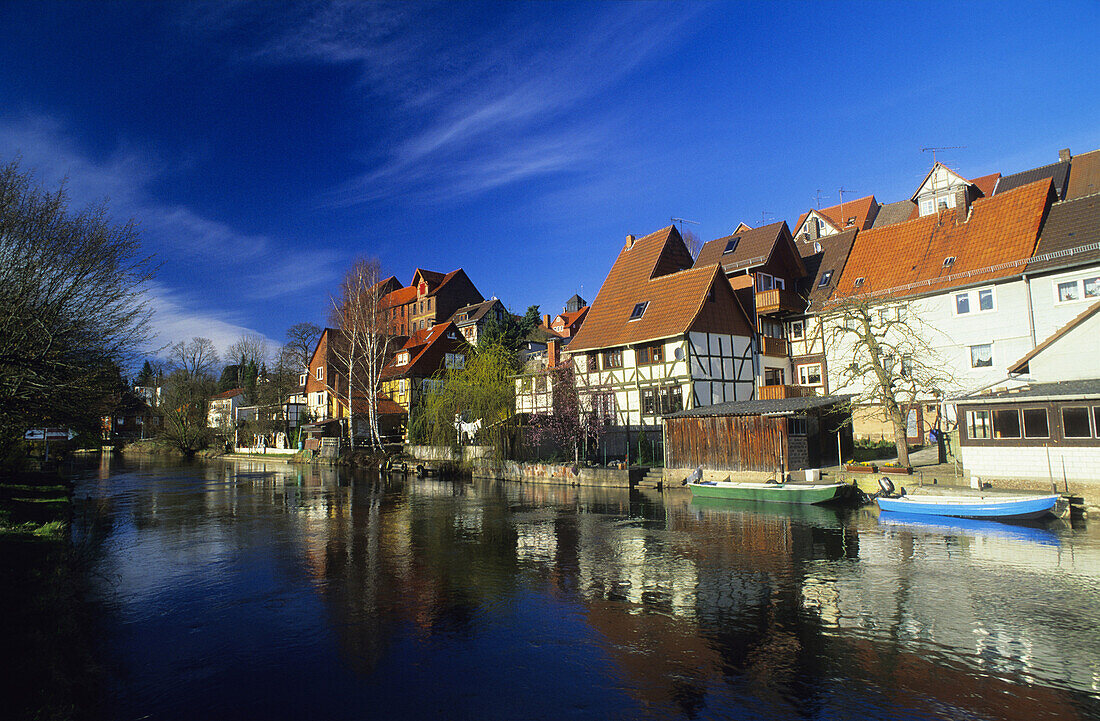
(253, 591)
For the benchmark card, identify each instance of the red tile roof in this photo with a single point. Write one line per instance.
(986, 183)
(908, 258)
(398, 297)
(228, 394)
(1084, 175)
(426, 348)
(862, 209)
(674, 299)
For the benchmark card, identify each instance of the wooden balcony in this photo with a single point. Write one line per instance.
(775, 347)
(779, 302)
(775, 393)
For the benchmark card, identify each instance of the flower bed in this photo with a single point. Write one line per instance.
(861, 468)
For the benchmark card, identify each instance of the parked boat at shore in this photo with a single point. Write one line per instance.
(993, 507)
(803, 493)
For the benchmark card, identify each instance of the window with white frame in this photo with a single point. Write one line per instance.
(980, 300)
(455, 360)
(402, 358)
(320, 373)
(981, 356)
(798, 329)
(403, 385)
(302, 378)
(809, 375)
(1069, 291)
(978, 424)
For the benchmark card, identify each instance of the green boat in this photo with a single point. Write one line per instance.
(804, 493)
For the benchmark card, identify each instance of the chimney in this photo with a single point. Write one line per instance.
(812, 226)
(629, 242)
(552, 353)
(1063, 155)
(546, 321)
(962, 204)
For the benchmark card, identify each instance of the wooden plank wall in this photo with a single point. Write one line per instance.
(726, 443)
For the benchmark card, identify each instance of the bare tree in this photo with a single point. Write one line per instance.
(301, 340)
(247, 352)
(72, 308)
(884, 354)
(367, 340)
(188, 391)
(693, 242)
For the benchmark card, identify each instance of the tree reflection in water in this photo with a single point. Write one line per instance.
(418, 596)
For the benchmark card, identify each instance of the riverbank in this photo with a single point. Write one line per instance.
(50, 668)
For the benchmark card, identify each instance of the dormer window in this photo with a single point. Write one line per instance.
(949, 261)
(852, 220)
(859, 282)
(639, 310)
(731, 245)
(825, 278)
(402, 358)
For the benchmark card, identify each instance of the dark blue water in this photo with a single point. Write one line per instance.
(239, 591)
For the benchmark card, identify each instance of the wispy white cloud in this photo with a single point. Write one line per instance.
(261, 268)
(175, 318)
(473, 106)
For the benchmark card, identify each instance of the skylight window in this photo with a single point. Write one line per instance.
(825, 278)
(731, 245)
(817, 247)
(949, 261)
(852, 220)
(639, 309)
(859, 282)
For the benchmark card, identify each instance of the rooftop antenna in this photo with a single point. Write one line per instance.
(818, 197)
(681, 221)
(942, 147)
(764, 217)
(841, 192)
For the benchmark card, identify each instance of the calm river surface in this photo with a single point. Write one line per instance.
(252, 591)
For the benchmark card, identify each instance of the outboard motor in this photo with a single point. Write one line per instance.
(886, 486)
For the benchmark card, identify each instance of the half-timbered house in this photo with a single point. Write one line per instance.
(764, 267)
(662, 335)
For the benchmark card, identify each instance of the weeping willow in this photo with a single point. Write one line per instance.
(483, 390)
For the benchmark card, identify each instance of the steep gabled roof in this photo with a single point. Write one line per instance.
(1057, 172)
(1020, 366)
(908, 258)
(401, 296)
(753, 248)
(937, 166)
(830, 259)
(862, 211)
(892, 213)
(673, 300)
(1071, 230)
(987, 183)
(431, 277)
(228, 394)
(425, 348)
(474, 312)
(1084, 175)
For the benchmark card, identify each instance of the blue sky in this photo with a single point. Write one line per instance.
(261, 147)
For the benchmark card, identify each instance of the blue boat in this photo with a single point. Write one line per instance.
(1003, 508)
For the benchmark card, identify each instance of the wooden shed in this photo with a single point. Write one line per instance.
(784, 434)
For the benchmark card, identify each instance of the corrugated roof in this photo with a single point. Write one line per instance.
(782, 406)
(1072, 225)
(908, 258)
(1057, 172)
(1082, 389)
(1084, 175)
(673, 299)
